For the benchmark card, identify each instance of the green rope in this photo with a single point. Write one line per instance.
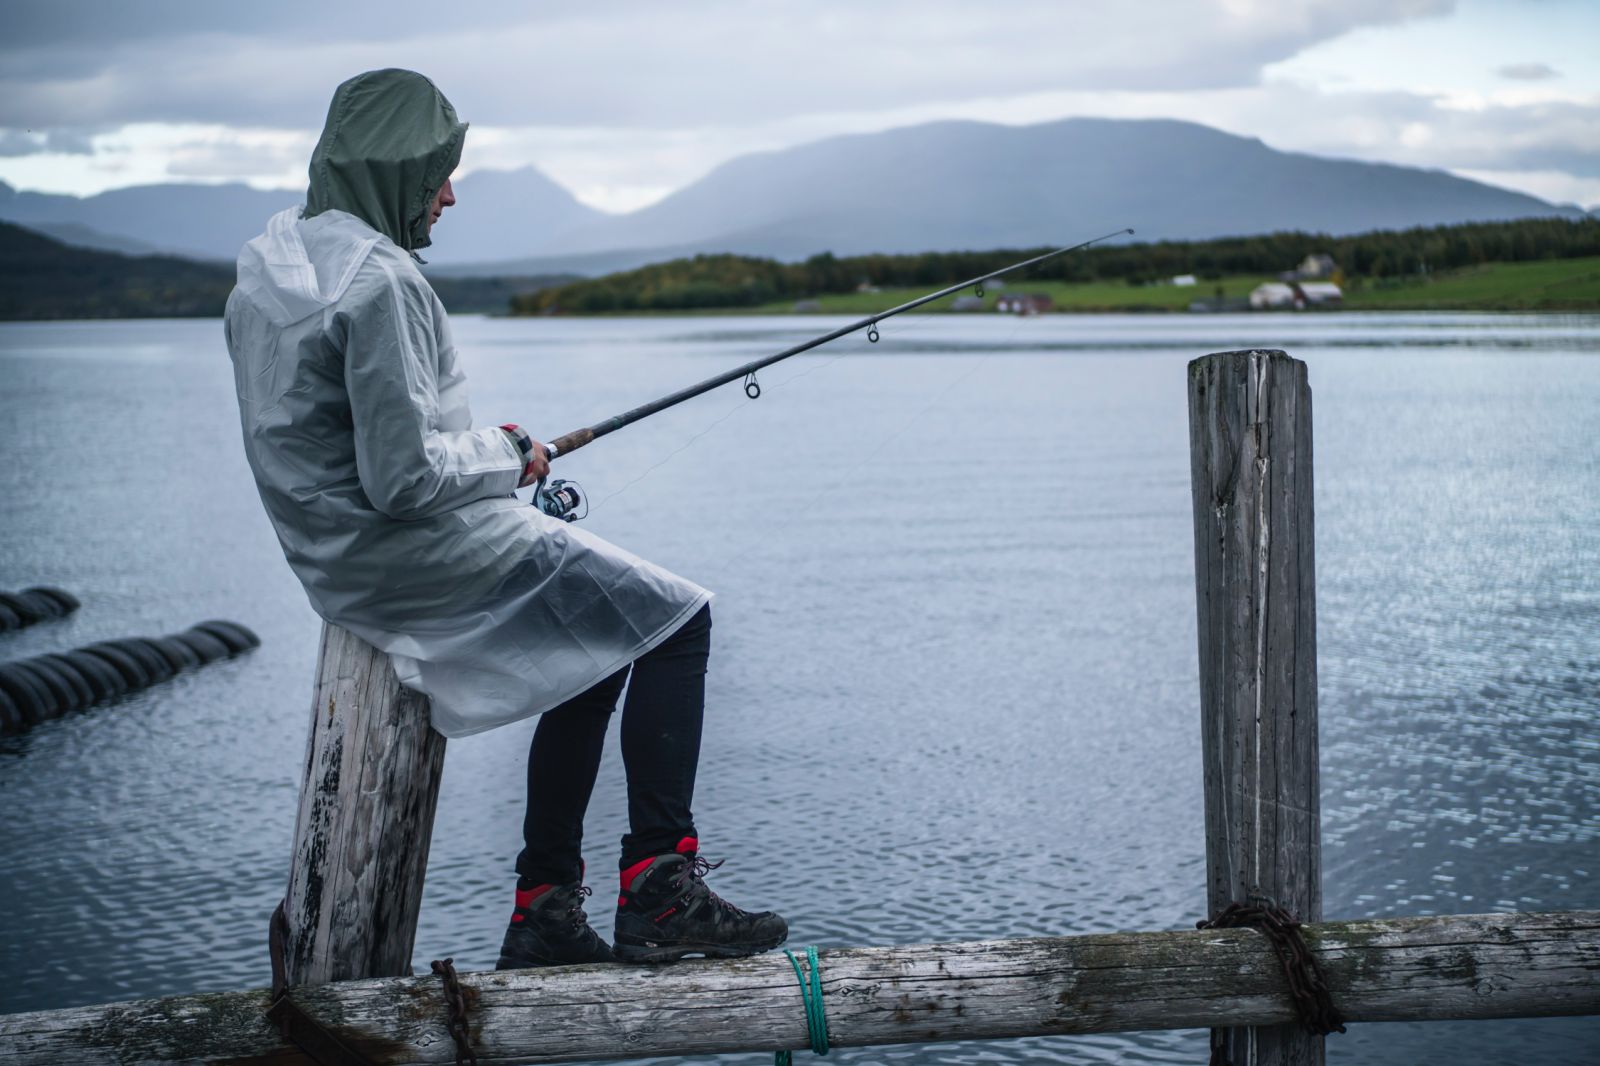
(811, 995)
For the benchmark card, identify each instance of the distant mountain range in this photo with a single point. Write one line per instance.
(941, 186)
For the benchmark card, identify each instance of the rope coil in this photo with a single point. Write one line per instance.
(811, 996)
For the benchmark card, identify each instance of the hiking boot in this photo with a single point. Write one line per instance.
(549, 928)
(666, 912)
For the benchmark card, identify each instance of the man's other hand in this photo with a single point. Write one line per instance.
(538, 462)
(535, 456)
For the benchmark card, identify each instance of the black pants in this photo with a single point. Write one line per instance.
(661, 722)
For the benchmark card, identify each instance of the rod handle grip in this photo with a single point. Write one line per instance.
(570, 442)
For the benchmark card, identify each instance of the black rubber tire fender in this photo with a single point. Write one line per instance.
(62, 685)
(106, 680)
(237, 637)
(24, 608)
(58, 695)
(176, 652)
(47, 607)
(83, 693)
(26, 691)
(130, 668)
(9, 619)
(11, 719)
(154, 658)
(208, 647)
(63, 599)
(155, 664)
(23, 690)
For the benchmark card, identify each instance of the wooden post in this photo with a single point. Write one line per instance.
(371, 784)
(1250, 453)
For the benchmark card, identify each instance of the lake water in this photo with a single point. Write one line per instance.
(953, 689)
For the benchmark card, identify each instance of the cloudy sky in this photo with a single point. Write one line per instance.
(623, 101)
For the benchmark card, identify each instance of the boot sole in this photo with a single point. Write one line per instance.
(508, 963)
(635, 953)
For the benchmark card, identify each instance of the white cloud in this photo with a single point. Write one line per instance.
(151, 153)
(268, 158)
(43, 142)
(1466, 53)
(650, 65)
(626, 102)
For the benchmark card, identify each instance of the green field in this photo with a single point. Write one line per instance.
(1543, 285)
(1091, 296)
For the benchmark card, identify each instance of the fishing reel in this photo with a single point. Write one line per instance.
(561, 499)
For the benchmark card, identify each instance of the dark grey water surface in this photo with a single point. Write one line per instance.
(953, 689)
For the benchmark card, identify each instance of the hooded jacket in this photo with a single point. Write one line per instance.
(390, 141)
(395, 513)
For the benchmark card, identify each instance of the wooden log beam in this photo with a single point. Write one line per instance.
(373, 765)
(1403, 969)
(1255, 587)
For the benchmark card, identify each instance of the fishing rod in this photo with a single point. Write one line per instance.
(562, 498)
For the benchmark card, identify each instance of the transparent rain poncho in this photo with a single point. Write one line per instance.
(394, 512)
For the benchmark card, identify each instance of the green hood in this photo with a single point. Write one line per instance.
(390, 142)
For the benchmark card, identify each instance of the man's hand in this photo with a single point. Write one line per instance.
(535, 456)
(538, 464)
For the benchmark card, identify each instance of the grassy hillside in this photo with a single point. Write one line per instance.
(1085, 296)
(42, 278)
(1547, 285)
(1107, 277)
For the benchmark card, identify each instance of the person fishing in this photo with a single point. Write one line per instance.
(399, 518)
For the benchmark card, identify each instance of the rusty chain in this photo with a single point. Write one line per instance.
(457, 1002)
(1308, 982)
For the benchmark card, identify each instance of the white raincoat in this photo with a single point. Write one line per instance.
(394, 512)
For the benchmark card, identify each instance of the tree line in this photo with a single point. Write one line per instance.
(730, 281)
(42, 278)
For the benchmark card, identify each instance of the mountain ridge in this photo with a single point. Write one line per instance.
(948, 185)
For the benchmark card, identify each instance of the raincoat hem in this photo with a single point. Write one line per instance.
(644, 648)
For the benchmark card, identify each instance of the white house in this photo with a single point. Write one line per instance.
(1273, 295)
(1295, 295)
(1320, 294)
(1023, 303)
(1317, 265)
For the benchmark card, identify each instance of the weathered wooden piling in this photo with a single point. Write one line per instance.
(1255, 587)
(372, 771)
(1399, 969)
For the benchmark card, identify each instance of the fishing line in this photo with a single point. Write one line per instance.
(738, 406)
(878, 449)
(562, 498)
(886, 334)
(664, 460)
(579, 438)
(950, 386)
